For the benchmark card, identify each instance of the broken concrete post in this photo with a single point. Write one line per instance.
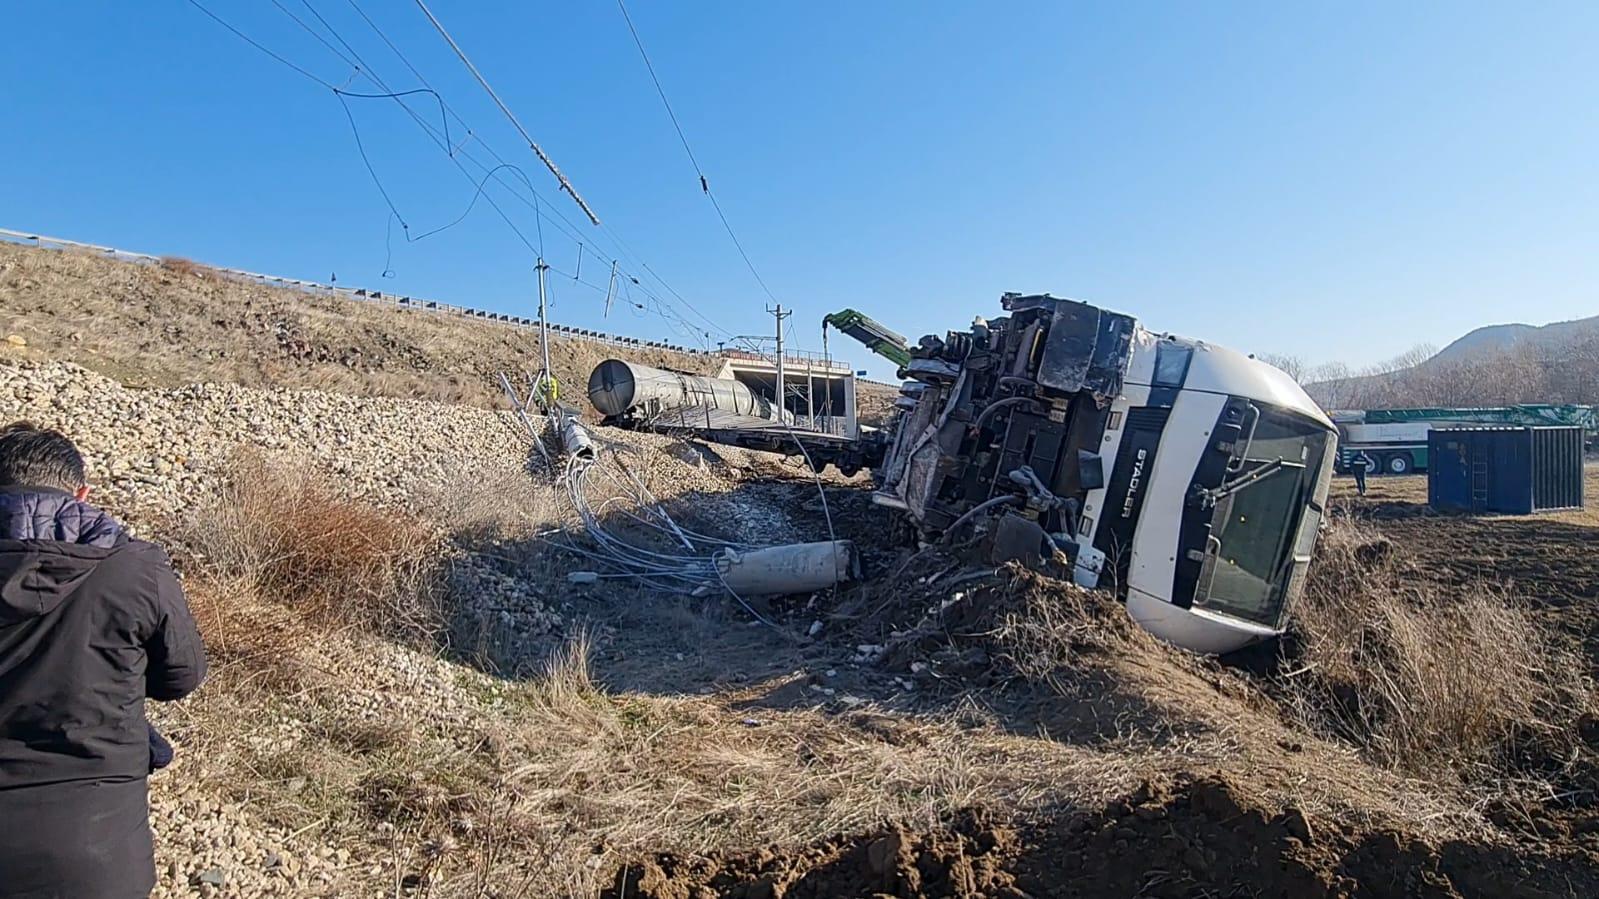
(575, 439)
(797, 568)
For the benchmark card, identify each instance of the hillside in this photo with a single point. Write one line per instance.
(1491, 340)
(177, 323)
(428, 682)
(1490, 366)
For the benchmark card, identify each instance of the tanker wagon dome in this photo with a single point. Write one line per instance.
(1189, 478)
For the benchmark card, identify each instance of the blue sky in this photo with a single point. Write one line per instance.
(1336, 181)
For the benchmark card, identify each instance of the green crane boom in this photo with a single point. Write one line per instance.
(877, 338)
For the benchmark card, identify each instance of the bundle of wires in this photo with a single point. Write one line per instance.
(631, 533)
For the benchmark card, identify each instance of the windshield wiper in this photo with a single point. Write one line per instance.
(1253, 476)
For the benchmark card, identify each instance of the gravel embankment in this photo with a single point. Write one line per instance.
(156, 454)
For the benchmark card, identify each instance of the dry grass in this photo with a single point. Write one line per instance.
(491, 506)
(185, 268)
(541, 788)
(592, 778)
(289, 535)
(1432, 683)
(462, 784)
(178, 322)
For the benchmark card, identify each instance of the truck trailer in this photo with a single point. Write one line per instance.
(1394, 441)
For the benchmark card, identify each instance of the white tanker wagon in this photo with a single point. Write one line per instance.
(1189, 478)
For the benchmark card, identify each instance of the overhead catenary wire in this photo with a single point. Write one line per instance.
(540, 210)
(570, 230)
(455, 151)
(259, 46)
(705, 183)
(537, 150)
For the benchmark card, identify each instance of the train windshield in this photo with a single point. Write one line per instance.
(1266, 517)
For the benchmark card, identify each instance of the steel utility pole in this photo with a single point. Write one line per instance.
(782, 387)
(827, 365)
(544, 324)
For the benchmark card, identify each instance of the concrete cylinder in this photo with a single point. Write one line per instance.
(797, 568)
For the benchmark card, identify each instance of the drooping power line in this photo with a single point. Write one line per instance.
(456, 153)
(705, 183)
(541, 210)
(537, 150)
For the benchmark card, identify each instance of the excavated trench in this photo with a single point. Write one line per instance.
(1203, 838)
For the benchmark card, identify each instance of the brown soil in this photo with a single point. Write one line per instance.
(1548, 558)
(1224, 826)
(1201, 838)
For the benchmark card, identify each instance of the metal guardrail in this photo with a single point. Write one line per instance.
(417, 304)
(798, 360)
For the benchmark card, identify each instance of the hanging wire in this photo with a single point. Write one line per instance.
(705, 183)
(456, 152)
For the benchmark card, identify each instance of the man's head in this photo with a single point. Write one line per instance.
(38, 457)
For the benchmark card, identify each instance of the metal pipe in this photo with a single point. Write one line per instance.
(991, 408)
(977, 510)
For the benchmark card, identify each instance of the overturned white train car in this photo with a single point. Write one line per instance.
(1189, 478)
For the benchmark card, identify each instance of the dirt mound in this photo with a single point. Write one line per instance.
(946, 620)
(1205, 837)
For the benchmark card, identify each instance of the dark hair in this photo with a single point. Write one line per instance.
(38, 457)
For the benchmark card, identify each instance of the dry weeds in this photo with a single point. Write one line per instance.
(289, 534)
(448, 782)
(186, 268)
(1465, 684)
(1046, 627)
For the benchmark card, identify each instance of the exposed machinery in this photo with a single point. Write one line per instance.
(877, 338)
(1189, 478)
(1394, 441)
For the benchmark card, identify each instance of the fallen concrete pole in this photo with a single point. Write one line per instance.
(575, 438)
(796, 568)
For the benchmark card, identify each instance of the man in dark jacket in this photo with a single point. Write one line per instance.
(1358, 464)
(91, 624)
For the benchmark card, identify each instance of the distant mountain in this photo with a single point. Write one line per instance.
(1492, 340)
(1416, 384)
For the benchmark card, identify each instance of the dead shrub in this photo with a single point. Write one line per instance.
(288, 533)
(500, 504)
(185, 268)
(1426, 681)
(254, 645)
